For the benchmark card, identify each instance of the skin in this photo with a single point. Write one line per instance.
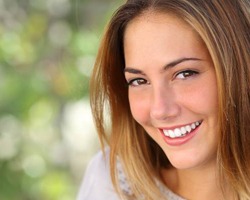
(167, 90)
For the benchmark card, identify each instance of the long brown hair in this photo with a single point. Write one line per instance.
(224, 26)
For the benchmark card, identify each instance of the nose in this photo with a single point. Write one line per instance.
(164, 104)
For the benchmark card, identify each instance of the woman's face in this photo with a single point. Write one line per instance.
(172, 88)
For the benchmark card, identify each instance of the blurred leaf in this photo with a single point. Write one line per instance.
(47, 52)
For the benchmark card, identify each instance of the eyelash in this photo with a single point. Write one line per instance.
(141, 81)
(132, 82)
(186, 74)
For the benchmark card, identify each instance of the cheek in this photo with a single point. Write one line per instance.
(140, 108)
(201, 97)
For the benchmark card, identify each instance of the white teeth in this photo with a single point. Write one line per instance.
(188, 128)
(182, 131)
(171, 134)
(177, 132)
(193, 125)
(165, 132)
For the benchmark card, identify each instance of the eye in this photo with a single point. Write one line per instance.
(137, 82)
(185, 74)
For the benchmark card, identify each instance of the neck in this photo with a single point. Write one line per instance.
(201, 183)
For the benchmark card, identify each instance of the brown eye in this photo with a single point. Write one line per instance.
(137, 82)
(186, 74)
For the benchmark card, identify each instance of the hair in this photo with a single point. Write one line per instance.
(224, 26)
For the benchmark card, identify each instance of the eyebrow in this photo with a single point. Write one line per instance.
(169, 65)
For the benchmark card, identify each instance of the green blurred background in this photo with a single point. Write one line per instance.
(47, 51)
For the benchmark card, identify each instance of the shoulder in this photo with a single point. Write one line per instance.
(97, 182)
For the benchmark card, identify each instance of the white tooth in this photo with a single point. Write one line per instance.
(188, 128)
(171, 134)
(197, 123)
(183, 130)
(193, 126)
(165, 132)
(177, 132)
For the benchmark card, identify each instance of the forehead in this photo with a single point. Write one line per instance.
(158, 25)
(160, 35)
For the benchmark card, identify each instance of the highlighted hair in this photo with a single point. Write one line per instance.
(224, 26)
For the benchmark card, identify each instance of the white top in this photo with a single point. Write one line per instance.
(97, 183)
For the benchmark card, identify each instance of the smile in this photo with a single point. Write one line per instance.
(181, 131)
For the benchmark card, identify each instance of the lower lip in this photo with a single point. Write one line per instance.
(180, 140)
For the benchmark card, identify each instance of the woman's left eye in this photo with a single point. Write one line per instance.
(185, 74)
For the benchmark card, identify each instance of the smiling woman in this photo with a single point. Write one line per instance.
(179, 130)
(165, 98)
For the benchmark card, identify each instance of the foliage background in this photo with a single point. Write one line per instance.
(47, 50)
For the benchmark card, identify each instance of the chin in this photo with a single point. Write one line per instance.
(186, 161)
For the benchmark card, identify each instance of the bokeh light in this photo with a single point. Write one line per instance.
(47, 136)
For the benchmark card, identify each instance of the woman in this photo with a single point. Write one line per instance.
(174, 76)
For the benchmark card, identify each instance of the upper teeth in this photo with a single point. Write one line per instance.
(181, 131)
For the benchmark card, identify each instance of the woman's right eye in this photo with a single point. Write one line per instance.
(137, 82)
